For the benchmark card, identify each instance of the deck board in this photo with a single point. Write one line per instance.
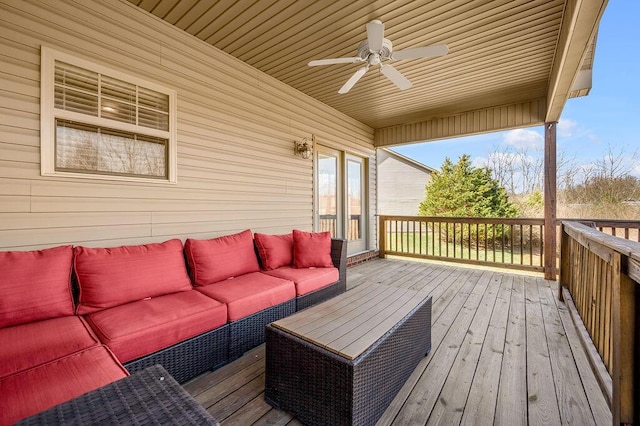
(483, 394)
(543, 405)
(504, 351)
(572, 399)
(452, 401)
(511, 407)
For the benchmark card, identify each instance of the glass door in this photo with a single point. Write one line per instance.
(341, 197)
(355, 204)
(328, 199)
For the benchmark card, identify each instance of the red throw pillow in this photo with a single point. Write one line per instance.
(35, 285)
(275, 250)
(311, 249)
(110, 277)
(220, 258)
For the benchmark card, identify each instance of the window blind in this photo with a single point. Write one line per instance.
(86, 92)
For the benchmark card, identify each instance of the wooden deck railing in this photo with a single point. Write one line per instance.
(329, 223)
(508, 243)
(599, 274)
(627, 229)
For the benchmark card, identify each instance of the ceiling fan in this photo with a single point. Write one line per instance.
(375, 50)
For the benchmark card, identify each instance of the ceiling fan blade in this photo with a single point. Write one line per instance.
(375, 34)
(421, 52)
(396, 77)
(353, 80)
(319, 62)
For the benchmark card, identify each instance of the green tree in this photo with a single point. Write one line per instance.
(461, 190)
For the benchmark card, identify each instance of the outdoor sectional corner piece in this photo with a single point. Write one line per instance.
(138, 306)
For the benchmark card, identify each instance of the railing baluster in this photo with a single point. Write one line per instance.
(469, 248)
(433, 238)
(531, 244)
(455, 242)
(478, 241)
(521, 254)
(541, 260)
(446, 238)
(485, 241)
(502, 235)
(396, 235)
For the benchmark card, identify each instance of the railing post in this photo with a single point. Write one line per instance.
(550, 201)
(382, 240)
(565, 261)
(624, 316)
(631, 295)
(616, 377)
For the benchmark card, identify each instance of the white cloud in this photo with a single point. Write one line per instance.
(524, 139)
(479, 162)
(566, 128)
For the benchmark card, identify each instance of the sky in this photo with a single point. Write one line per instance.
(609, 117)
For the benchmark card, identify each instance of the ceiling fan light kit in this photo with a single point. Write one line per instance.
(374, 51)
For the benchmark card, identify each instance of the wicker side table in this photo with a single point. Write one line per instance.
(343, 361)
(150, 396)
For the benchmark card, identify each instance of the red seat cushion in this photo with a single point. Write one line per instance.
(40, 388)
(250, 293)
(35, 285)
(27, 345)
(307, 279)
(312, 249)
(113, 276)
(146, 326)
(275, 250)
(217, 259)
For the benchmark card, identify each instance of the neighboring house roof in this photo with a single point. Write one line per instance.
(410, 161)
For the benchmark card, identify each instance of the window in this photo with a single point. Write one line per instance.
(100, 123)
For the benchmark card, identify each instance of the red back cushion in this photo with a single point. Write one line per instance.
(35, 285)
(113, 276)
(275, 250)
(311, 249)
(217, 259)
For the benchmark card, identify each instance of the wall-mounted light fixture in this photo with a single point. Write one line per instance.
(304, 148)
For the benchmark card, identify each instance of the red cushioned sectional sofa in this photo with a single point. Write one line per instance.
(73, 319)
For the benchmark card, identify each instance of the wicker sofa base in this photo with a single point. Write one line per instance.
(320, 295)
(248, 332)
(320, 387)
(148, 397)
(186, 360)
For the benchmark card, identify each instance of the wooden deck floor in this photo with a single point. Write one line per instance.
(505, 352)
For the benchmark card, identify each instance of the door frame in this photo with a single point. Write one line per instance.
(342, 158)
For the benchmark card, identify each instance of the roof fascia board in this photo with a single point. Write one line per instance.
(579, 26)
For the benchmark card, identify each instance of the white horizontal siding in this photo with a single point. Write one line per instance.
(236, 127)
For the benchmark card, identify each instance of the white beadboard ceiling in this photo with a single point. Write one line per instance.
(500, 52)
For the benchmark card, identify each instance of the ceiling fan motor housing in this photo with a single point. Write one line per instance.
(385, 52)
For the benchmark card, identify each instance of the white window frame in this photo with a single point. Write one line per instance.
(49, 113)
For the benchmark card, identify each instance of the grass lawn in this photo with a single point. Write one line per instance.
(425, 244)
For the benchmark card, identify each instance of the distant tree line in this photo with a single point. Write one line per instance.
(511, 185)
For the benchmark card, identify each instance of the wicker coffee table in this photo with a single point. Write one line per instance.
(148, 397)
(343, 361)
